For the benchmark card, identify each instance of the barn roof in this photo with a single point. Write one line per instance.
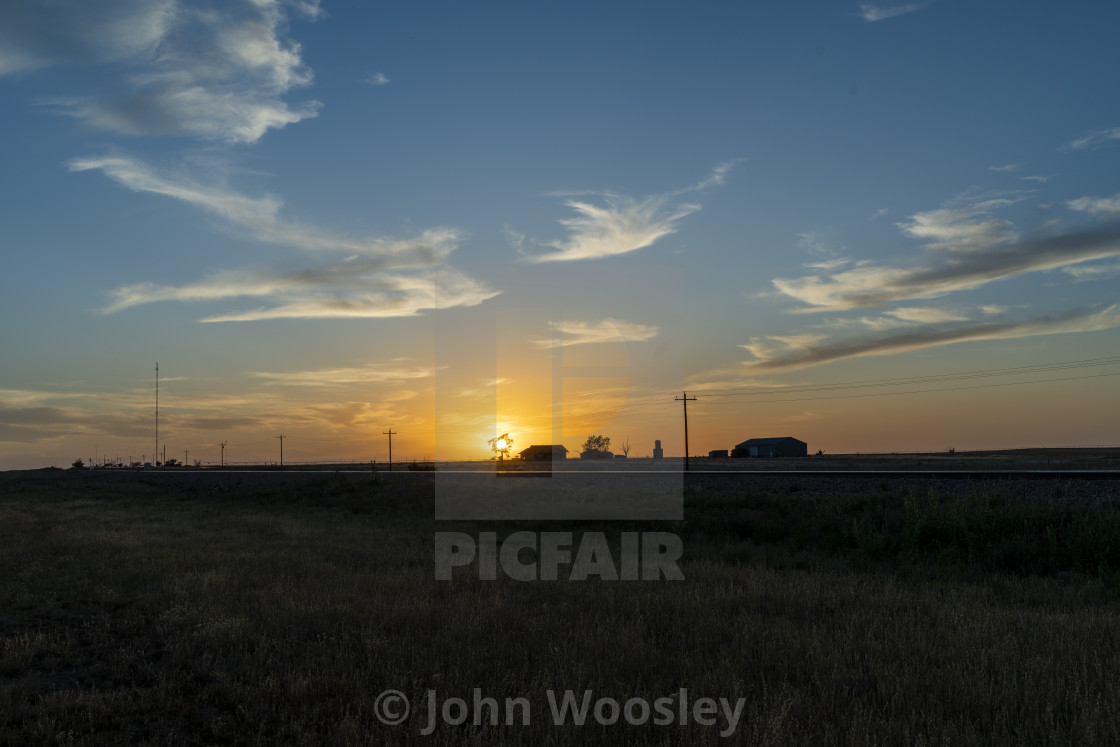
(769, 441)
(551, 448)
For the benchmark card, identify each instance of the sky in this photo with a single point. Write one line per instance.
(875, 227)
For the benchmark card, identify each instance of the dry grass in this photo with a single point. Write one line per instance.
(277, 613)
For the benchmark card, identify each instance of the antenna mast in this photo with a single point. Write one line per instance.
(156, 457)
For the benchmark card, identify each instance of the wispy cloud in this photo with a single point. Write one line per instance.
(485, 388)
(829, 265)
(878, 214)
(51, 416)
(340, 291)
(821, 244)
(40, 34)
(869, 285)
(715, 179)
(910, 316)
(396, 296)
(516, 238)
(967, 247)
(1035, 178)
(208, 423)
(375, 277)
(608, 330)
(1093, 139)
(817, 243)
(216, 72)
(1093, 272)
(377, 79)
(28, 425)
(872, 13)
(618, 224)
(801, 351)
(367, 374)
(1098, 206)
(964, 226)
(259, 217)
(1006, 167)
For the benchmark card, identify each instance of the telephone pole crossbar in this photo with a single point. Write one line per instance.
(685, 399)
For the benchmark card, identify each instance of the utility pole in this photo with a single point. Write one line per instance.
(685, 399)
(281, 437)
(156, 457)
(186, 457)
(390, 434)
(223, 445)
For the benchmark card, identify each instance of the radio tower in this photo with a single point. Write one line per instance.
(156, 457)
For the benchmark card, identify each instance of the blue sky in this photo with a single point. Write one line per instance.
(333, 219)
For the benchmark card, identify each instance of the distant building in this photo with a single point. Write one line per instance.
(657, 451)
(771, 447)
(544, 453)
(718, 454)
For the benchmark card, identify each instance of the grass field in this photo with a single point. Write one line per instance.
(153, 611)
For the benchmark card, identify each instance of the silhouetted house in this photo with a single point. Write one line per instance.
(771, 447)
(717, 454)
(595, 454)
(658, 452)
(544, 453)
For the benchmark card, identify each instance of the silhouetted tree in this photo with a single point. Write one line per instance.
(625, 447)
(501, 445)
(78, 464)
(597, 443)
